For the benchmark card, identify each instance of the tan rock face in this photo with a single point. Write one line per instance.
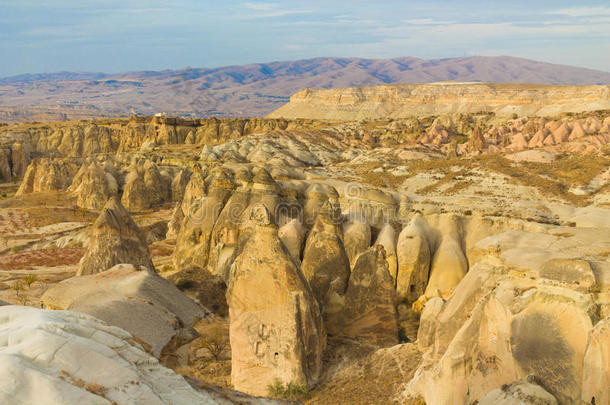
(93, 187)
(179, 185)
(193, 241)
(145, 187)
(47, 175)
(276, 328)
(413, 254)
(498, 327)
(449, 264)
(370, 313)
(5, 167)
(325, 265)
(143, 303)
(596, 366)
(387, 238)
(115, 239)
(357, 239)
(20, 158)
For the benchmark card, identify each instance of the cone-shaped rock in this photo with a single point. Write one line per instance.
(325, 263)
(370, 312)
(115, 239)
(93, 187)
(276, 329)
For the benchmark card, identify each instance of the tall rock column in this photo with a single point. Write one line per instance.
(326, 266)
(276, 329)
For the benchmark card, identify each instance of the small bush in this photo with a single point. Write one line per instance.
(15, 249)
(291, 391)
(17, 286)
(29, 280)
(214, 342)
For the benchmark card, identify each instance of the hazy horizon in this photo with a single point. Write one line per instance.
(138, 35)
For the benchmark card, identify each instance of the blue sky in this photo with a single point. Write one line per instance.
(126, 35)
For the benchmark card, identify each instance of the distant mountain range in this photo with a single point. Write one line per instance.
(252, 90)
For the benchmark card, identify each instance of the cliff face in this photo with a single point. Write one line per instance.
(410, 100)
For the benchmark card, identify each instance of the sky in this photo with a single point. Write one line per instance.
(39, 36)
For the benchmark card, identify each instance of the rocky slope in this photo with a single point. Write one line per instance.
(402, 101)
(251, 90)
(118, 370)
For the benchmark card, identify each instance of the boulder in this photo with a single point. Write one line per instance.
(370, 314)
(578, 273)
(143, 303)
(66, 358)
(413, 252)
(523, 392)
(115, 238)
(276, 330)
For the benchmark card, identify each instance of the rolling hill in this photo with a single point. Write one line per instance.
(251, 90)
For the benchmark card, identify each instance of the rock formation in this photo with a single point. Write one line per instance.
(276, 329)
(408, 100)
(325, 264)
(413, 253)
(193, 242)
(356, 238)
(115, 239)
(93, 187)
(46, 175)
(449, 264)
(292, 236)
(111, 366)
(145, 187)
(370, 313)
(526, 392)
(387, 239)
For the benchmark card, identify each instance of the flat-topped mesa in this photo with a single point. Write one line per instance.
(409, 100)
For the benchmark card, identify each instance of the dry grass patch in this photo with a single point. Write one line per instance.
(43, 257)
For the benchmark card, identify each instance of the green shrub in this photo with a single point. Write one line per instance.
(291, 391)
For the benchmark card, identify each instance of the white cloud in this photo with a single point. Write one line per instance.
(427, 21)
(582, 11)
(269, 10)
